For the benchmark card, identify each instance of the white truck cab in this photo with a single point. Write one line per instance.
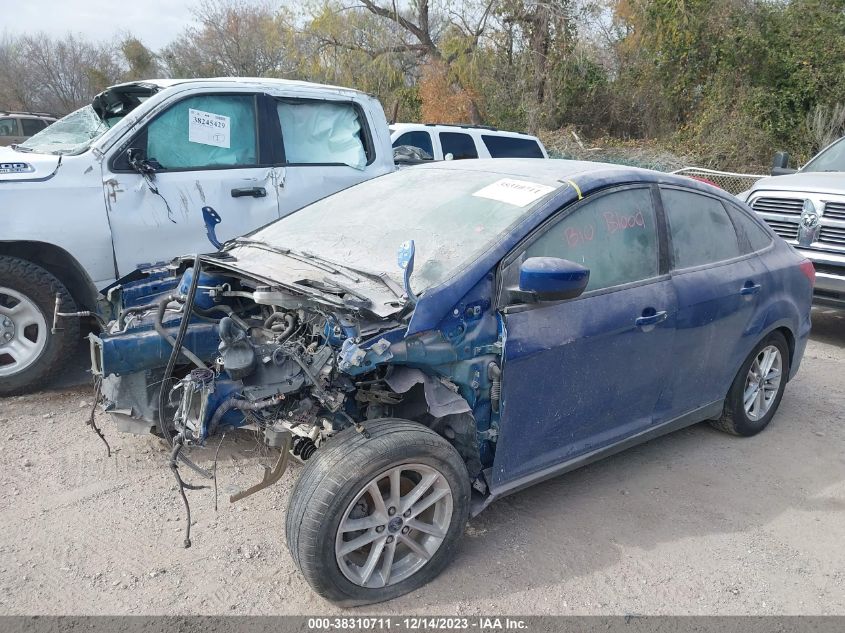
(456, 142)
(122, 183)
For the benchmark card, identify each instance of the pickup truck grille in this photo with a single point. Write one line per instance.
(834, 210)
(786, 229)
(832, 235)
(788, 206)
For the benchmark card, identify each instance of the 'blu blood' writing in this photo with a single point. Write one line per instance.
(574, 236)
(616, 222)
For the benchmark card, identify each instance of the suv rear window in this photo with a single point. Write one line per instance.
(458, 145)
(511, 147)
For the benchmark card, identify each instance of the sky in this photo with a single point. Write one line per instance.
(154, 22)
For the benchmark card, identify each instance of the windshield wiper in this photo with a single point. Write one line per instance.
(303, 256)
(319, 262)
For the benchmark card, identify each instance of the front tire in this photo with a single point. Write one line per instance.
(371, 519)
(758, 388)
(29, 353)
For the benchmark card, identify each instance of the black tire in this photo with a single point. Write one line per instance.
(330, 482)
(734, 419)
(40, 287)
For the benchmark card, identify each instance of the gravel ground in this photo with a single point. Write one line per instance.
(697, 522)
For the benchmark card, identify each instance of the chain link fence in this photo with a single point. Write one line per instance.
(729, 181)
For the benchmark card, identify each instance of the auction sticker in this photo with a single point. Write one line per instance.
(208, 128)
(519, 193)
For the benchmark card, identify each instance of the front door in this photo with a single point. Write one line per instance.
(206, 151)
(583, 374)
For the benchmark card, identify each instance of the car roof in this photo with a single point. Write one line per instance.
(588, 175)
(255, 82)
(456, 127)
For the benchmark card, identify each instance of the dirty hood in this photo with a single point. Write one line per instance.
(831, 182)
(26, 166)
(317, 278)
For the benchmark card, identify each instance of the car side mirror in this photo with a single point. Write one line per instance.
(137, 160)
(780, 164)
(551, 279)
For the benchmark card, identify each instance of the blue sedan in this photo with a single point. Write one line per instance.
(432, 340)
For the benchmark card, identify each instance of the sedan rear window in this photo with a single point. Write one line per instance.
(511, 147)
(701, 231)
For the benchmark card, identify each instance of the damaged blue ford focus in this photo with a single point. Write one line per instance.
(432, 340)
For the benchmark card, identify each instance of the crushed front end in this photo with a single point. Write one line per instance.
(298, 358)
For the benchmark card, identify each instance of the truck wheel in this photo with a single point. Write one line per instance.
(757, 390)
(373, 518)
(29, 353)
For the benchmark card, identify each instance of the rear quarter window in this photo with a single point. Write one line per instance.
(510, 147)
(746, 226)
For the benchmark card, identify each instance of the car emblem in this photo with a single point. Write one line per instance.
(809, 227)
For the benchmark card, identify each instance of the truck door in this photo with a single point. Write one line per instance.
(204, 150)
(328, 146)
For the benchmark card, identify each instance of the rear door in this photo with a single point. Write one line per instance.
(207, 150)
(458, 144)
(328, 146)
(583, 374)
(718, 285)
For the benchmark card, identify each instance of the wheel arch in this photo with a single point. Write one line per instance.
(60, 264)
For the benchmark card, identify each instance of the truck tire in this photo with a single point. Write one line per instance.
(401, 495)
(757, 390)
(29, 353)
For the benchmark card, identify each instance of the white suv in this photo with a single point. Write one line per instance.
(455, 142)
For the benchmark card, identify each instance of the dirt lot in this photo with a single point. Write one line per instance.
(693, 523)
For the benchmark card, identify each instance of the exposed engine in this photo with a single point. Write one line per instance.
(188, 356)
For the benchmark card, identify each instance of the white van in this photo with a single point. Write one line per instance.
(456, 142)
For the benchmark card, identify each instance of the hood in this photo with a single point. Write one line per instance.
(319, 279)
(830, 182)
(26, 166)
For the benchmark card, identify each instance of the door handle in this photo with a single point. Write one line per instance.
(255, 192)
(652, 319)
(750, 288)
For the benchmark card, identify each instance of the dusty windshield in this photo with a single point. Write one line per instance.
(69, 135)
(453, 216)
(831, 159)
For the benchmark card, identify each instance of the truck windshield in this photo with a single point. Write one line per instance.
(69, 135)
(830, 159)
(452, 215)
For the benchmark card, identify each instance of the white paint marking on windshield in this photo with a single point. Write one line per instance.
(519, 193)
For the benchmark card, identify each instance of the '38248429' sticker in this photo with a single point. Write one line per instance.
(208, 128)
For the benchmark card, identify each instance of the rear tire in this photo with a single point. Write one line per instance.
(334, 495)
(29, 353)
(758, 388)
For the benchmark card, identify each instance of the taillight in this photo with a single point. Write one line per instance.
(809, 271)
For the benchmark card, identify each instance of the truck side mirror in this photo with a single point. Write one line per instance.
(780, 164)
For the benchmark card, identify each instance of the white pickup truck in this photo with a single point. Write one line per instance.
(124, 181)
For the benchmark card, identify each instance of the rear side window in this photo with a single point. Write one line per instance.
(8, 127)
(458, 145)
(510, 147)
(32, 126)
(615, 236)
(418, 139)
(322, 133)
(755, 234)
(205, 132)
(700, 229)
